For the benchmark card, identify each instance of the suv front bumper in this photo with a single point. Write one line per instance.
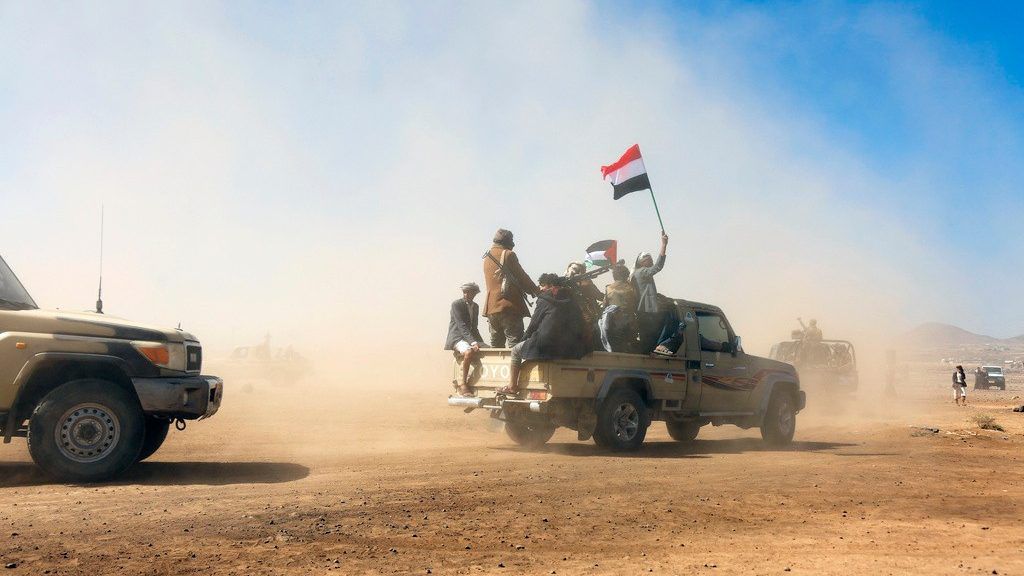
(187, 397)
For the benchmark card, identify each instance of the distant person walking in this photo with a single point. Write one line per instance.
(959, 386)
(505, 305)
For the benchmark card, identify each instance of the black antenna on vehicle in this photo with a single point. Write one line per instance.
(99, 296)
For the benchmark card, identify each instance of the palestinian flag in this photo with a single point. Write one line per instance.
(628, 174)
(602, 253)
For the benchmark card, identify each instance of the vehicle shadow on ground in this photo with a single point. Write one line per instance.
(14, 474)
(696, 449)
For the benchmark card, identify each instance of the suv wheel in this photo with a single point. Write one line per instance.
(529, 434)
(86, 430)
(780, 420)
(684, 431)
(156, 433)
(622, 420)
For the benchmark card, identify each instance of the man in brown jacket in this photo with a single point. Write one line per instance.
(505, 312)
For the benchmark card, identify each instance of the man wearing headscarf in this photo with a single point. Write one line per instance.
(463, 333)
(505, 306)
(650, 317)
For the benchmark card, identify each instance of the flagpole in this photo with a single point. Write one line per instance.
(656, 211)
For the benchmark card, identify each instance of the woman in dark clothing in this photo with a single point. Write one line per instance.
(555, 331)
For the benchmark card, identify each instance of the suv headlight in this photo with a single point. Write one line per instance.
(164, 354)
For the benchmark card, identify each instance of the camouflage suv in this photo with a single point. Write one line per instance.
(92, 393)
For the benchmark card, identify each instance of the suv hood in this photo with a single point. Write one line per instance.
(89, 324)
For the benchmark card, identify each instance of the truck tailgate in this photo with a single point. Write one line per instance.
(491, 372)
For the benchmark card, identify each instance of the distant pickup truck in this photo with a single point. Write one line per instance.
(827, 367)
(614, 397)
(92, 393)
(990, 377)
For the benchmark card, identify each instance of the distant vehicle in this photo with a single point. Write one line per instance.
(93, 394)
(828, 366)
(278, 366)
(612, 397)
(989, 377)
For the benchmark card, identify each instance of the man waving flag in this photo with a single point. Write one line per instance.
(629, 174)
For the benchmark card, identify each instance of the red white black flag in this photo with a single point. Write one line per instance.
(628, 174)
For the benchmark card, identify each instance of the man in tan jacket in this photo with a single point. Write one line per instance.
(505, 312)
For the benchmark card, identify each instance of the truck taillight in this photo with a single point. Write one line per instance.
(537, 395)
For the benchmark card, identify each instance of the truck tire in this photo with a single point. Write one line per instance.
(529, 434)
(684, 431)
(156, 433)
(86, 431)
(779, 420)
(622, 421)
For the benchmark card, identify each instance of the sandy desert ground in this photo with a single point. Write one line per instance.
(300, 480)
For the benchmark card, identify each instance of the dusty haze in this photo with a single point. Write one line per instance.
(332, 179)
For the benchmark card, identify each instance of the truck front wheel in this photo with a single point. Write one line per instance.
(779, 420)
(529, 434)
(684, 431)
(622, 421)
(156, 433)
(86, 430)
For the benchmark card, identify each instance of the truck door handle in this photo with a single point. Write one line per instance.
(739, 368)
(709, 364)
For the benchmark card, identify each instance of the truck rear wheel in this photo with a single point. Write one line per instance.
(684, 431)
(622, 421)
(529, 434)
(156, 433)
(86, 430)
(779, 420)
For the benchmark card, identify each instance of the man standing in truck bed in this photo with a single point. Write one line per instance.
(505, 305)
(650, 316)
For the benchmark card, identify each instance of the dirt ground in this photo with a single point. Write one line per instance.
(299, 480)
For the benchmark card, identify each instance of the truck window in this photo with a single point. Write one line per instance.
(714, 332)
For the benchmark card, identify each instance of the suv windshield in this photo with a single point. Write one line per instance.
(12, 293)
(993, 370)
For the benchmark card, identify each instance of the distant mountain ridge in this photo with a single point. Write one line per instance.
(934, 334)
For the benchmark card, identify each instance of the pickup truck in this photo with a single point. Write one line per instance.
(827, 367)
(93, 394)
(989, 377)
(613, 397)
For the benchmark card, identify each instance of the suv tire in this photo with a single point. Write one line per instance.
(779, 420)
(529, 434)
(622, 421)
(86, 431)
(156, 433)
(684, 431)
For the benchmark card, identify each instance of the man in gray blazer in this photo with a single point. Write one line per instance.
(463, 333)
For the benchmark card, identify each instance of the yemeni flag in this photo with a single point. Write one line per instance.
(602, 253)
(628, 174)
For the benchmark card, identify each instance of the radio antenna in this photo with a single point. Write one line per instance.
(99, 295)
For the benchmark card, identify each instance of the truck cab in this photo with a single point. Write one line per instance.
(613, 397)
(93, 394)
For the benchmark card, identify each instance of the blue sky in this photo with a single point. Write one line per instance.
(806, 155)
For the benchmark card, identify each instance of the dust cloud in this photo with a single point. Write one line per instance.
(341, 217)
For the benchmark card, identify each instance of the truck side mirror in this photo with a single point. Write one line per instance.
(737, 345)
